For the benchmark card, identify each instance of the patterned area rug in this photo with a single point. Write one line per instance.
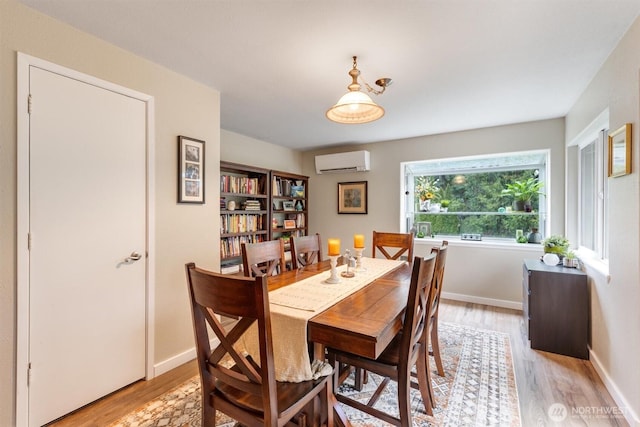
(478, 389)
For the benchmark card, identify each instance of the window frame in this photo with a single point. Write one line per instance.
(601, 196)
(407, 183)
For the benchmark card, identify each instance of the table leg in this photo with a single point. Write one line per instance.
(318, 351)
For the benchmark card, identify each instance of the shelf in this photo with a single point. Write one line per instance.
(241, 212)
(247, 195)
(288, 198)
(479, 213)
(280, 211)
(243, 233)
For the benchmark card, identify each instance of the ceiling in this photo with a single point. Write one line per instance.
(455, 64)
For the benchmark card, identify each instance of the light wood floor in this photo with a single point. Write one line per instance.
(542, 379)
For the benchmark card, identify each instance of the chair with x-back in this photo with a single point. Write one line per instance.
(263, 258)
(306, 250)
(436, 292)
(247, 391)
(393, 245)
(405, 350)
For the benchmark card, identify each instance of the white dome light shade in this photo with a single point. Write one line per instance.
(355, 107)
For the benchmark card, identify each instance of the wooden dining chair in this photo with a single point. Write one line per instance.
(247, 391)
(306, 250)
(436, 291)
(393, 245)
(405, 350)
(263, 258)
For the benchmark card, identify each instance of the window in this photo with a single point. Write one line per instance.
(593, 195)
(470, 195)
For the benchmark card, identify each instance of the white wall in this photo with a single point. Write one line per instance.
(615, 317)
(384, 183)
(249, 151)
(183, 232)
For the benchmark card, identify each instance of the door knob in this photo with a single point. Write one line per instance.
(135, 256)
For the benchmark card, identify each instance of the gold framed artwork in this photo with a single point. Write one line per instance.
(620, 151)
(352, 197)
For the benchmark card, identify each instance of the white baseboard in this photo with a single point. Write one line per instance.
(173, 362)
(481, 300)
(179, 359)
(623, 406)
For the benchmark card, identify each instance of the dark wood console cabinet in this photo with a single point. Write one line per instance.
(556, 308)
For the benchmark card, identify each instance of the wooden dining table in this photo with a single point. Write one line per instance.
(363, 323)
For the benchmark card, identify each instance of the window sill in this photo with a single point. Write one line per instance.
(485, 244)
(593, 266)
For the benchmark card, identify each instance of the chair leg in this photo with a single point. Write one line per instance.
(208, 412)
(327, 405)
(208, 417)
(424, 382)
(404, 397)
(435, 346)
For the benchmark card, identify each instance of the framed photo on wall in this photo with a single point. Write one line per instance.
(352, 197)
(190, 170)
(620, 151)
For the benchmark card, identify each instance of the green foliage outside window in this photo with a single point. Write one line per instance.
(477, 204)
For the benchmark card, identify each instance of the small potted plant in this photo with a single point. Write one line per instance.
(556, 245)
(522, 193)
(570, 260)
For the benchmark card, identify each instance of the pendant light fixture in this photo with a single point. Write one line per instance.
(357, 107)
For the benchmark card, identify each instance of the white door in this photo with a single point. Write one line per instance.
(87, 215)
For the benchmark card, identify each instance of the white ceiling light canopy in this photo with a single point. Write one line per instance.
(356, 107)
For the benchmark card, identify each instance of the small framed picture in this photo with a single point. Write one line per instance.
(424, 228)
(289, 224)
(620, 151)
(297, 191)
(352, 197)
(190, 170)
(288, 205)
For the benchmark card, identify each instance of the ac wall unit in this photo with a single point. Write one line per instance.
(352, 161)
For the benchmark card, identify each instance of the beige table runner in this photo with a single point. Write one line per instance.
(292, 306)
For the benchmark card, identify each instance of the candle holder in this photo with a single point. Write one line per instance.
(334, 278)
(350, 262)
(359, 266)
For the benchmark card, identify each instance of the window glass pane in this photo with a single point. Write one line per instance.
(588, 191)
(467, 195)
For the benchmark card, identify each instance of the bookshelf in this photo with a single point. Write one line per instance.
(289, 214)
(244, 211)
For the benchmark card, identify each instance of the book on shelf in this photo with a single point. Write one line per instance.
(282, 187)
(230, 268)
(230, 247)
(251, 205)
(240, 223)
(239, 184)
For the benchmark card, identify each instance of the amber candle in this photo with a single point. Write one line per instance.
(334, 247)
(358, 241)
